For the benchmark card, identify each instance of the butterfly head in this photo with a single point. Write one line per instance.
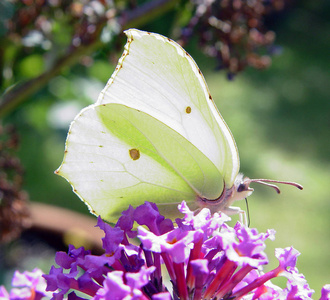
(242, 189)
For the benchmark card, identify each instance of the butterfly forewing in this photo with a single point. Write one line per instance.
(156, 76)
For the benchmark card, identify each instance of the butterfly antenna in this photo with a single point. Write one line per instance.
(247, 212)
(274, 186)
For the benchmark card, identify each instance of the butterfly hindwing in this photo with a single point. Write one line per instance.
(117, 155)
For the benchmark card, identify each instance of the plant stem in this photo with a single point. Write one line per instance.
(133, 18)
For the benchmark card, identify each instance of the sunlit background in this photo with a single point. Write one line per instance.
(280, 118)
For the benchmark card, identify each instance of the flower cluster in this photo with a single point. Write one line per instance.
(203, 256)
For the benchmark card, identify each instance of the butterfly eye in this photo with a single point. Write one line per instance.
(242, 187)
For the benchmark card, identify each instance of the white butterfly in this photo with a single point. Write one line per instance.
(154, 134)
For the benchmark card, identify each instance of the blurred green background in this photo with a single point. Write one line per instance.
(280, 118)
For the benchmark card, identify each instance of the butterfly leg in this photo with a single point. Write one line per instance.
(232, 210)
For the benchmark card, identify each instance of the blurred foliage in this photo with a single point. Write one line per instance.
(53, 35)
(14, 211)
(56, 56)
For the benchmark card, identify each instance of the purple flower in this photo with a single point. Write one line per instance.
(325, 293)
(148, 214)
(203, 256)
(120, 285)
(3, 293)
(27, 285)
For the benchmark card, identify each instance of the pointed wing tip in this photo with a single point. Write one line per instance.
(132, 31)
(136, 33)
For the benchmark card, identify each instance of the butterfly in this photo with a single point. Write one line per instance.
(154, 134)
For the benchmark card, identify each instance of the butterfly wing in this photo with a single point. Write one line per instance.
(116, 155)
(155, 75)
